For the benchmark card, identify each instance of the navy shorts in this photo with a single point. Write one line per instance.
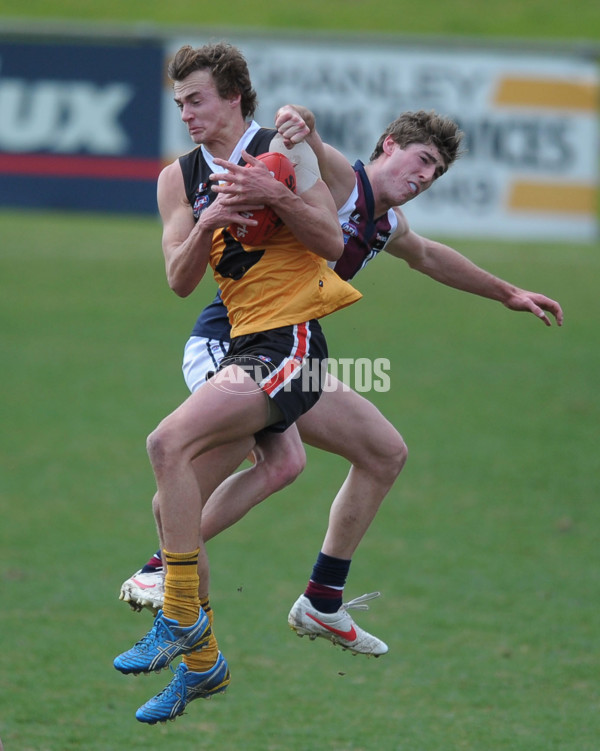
(289, 364)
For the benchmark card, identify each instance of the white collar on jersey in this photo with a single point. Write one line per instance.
(236, 154)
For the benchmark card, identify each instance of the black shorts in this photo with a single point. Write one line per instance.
(289, 364)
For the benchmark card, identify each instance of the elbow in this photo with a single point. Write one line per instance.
(335, 247)
(179, 286)
(181, 290)
(329, 250)
(337, 251)
(183, 280)
(334, 255)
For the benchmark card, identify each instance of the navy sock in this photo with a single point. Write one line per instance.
(325, 589)
(153, 564)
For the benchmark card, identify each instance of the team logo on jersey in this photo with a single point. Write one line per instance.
(200, 204)
(264, 358)
(201, 201)
(349, 229)
(380, 240)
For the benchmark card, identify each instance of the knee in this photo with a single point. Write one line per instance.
(290, 467)
(398, 454)
(159, 447)
(280, 468)
(387, 456)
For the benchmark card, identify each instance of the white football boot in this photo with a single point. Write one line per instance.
(338, 627)
(144, 590)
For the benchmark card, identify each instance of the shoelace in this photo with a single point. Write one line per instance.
(358, 603)
(151, 637)
(175, 686)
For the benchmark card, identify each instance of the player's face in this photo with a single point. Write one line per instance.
(410, 171)
(206, 115)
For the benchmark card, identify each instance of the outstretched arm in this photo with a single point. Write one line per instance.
(442, 263)
(448, 266)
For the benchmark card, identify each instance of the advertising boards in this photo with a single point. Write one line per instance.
(80, 125)
(530, 167)
(88, 123)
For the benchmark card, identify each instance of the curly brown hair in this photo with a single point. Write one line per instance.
(227, 66)
(424, 127)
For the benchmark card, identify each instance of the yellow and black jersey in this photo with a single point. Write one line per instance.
(275, 285)
(280, 284)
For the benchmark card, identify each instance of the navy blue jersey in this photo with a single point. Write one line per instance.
(364, 237)
(213, 322)
(364, 234)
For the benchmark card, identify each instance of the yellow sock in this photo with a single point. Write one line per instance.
(181, 587)
(203, 660)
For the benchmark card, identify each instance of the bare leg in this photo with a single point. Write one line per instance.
(281, 458)
(347, 424)
(342, 423)
(208, 418)
(209, 468)
(285, 458)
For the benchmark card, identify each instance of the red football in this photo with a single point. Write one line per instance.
(283, 170)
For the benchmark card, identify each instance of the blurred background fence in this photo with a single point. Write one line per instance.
(87, 119)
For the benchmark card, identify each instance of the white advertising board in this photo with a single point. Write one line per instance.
(530, 167)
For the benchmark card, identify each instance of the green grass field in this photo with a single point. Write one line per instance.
(486, 550)
(513, 19)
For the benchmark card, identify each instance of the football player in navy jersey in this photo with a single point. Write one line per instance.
(414, 151)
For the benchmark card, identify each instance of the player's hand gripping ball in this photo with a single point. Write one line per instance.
(268, 222)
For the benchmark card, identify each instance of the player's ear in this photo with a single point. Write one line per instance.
(388, 145)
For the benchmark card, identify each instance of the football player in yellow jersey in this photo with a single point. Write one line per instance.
(254, 390)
